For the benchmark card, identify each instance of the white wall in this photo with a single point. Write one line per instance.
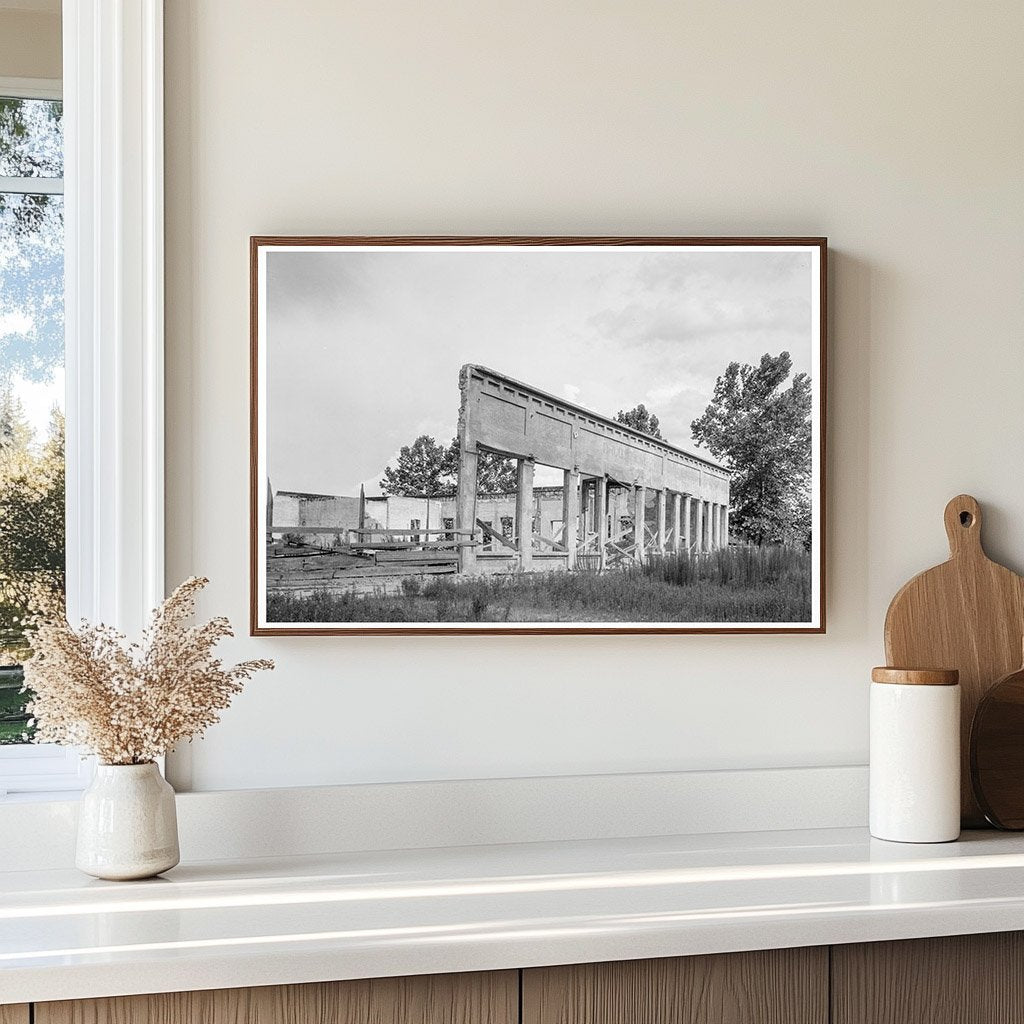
(895, 129)
(30, 41)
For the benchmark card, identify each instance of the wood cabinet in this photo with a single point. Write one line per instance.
(778, 986)
(962, 979)
(482, 998)
(968, 979)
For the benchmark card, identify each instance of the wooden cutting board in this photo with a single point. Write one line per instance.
(967, 614)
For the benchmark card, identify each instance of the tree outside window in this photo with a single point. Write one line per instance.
(31, 386)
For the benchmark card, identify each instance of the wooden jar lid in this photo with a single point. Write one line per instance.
(916, 676)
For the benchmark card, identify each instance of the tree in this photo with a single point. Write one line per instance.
(495, 474)
(31, 524)
(423, 471)
(640, 419)
(762, 432)
(427, 470)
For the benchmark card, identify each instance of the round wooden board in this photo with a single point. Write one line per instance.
(997, 752)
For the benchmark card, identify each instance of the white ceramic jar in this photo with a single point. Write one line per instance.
(127, 823)
(915, 755)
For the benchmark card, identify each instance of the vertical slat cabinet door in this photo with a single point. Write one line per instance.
(14, 1014)
(778, 986)
(960, 979)
(481, 998)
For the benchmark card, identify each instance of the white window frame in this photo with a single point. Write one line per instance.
(113, 221)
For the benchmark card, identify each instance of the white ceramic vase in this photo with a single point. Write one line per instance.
(127, 825)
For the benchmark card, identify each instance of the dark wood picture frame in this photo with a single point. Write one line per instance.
(257, 531)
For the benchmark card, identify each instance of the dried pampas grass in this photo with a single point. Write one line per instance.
(129, 703)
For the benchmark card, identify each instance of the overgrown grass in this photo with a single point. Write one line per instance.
(323, 607)
(737, 567)
(741, 584)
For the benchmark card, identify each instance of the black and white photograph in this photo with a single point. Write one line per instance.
(537, 435)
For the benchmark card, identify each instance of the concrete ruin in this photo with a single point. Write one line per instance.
(625, 497)
(606, 465)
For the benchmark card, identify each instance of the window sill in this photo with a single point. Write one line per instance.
(42, 771)
(40, 797)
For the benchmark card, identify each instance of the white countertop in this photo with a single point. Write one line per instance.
(351, 915)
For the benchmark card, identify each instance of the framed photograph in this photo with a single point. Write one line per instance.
(537, 435)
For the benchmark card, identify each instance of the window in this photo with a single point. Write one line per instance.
(506, 527)
(112, 205)
(414, 524)
(449, 525)
(32, 568)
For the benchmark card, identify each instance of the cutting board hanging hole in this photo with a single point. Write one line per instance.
(963, 526)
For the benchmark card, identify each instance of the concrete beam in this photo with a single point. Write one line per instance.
(516, 419)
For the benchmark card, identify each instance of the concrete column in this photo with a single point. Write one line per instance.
(662, 498)
(639, 520)
(687, 516)
(698, 526)
(714, 525)
(677, 523)
(570, 514)
(524, 512)
(601, 519)
(725, 525)
(706, 535)
(465, 509)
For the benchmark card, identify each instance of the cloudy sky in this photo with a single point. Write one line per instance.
(364, 348)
